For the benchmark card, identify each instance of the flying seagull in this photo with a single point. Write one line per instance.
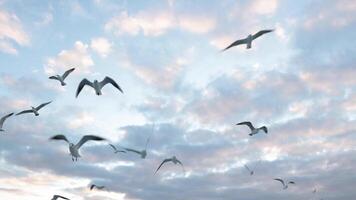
(55, 197)
(2, 120)
(116, 150)
(285, 185)
(97, 85)
(248, 40)
(97, 187)
(34, 110)
(173, 159)
(74, 148)
(252, 172)
(142, 153)
(253, 129)
(64, 76)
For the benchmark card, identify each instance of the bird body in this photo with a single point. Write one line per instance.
(34, 110)
(254, 130)
(2, 120)
(248, 40)
(96, 85)
(63, 77)
(173, 159)
(74, 148)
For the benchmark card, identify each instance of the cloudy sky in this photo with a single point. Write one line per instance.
(184, 94)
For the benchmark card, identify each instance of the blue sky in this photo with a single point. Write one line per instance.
(299, 81)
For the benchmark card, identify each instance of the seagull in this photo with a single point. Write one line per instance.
(2, 120)
(248, 40)
(116, 150)
(314, 191)
(64, 76)
(142, 153)
(253, 129)
(95, 186)
(97, 85)
(285, 185)
(34, 110)
(55, 197)
(173, 159)
(251, 171)
(74, 148)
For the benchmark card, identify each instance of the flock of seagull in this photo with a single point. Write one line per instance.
(98, 85)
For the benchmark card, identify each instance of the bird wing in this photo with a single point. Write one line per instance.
(181, 164)
(92, 186)
(115, 149)
(4, 118)
(164, 161)
(248, 169)
(280, 180)
(259, 33)
(25, 111)
(111, 81)
(59, 137)
(59, 196)
(86, 138)
(43, 105)
(82, 84)
(148, 140)
(291, 182)
(237, 42)
(53, 77)
(264, 128)
(133, 150)
(66, 73)
(249, 124)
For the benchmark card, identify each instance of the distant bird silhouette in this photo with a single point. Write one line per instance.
(74, 148)
(55, 197)
(116, 150)
(248, 40)
(173, 159)
(142, 153)
(97, 85)
(252, 172)
(63, 77)
(253, 129)
(34, 110)
(2, 120)
(97, 187)
(285, 184)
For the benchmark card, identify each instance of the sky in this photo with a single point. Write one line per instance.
(184, 94)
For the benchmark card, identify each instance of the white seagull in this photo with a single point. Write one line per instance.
(2, 120)
(248, 40)
(97, 187)
(74, 148)
(116, 150)
(64, 76)
(55, 197)
(34, 110)
(253, 129)
(285, 184)
(173, 159)
(142, 153)
(97, 85)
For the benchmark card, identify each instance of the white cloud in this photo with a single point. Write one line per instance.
(263, 7)
(101, 46)
(158, 22)
(77, 57)
(11, 31)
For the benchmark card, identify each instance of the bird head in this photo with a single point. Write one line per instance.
(71, 144)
